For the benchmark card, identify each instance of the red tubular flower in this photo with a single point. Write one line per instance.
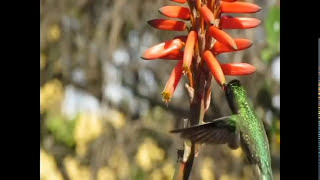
(237, 69)
(174, 55)
(167, 24)
(205, 40)
(179, 1)
(172, 82)
(229, 0)
(214, 67)
(222, 37)
(241, 44)
(239, 7)
(229, 22)
(188, 51)
(162, 49)
(176, 12)
(207, 14)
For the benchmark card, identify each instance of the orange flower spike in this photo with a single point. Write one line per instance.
(237, 69)
(222, 37)
(174, 55)
(229, 22)
(239, 7)
(172, 82)
(175, 12)
(188, 50)
(179, 1)
(207, 14)
(168, 24)
(241, 44)
(214, 67)
(162, 49)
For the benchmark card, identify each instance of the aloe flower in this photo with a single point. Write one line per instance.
(197, 53)
(205, 41)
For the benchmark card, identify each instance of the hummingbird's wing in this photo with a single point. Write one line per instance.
(219, 131)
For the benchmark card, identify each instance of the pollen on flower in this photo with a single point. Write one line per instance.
(166, 96)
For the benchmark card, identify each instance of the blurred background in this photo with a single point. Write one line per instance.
(101, 112)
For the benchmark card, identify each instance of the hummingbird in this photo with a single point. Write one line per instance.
(243, 128)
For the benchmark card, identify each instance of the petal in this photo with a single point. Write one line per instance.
(229, 0)
(172, 82)
(179, 1)
(174, 55)
(239, 7)
(168, 24)
(162, 49)
(207, 14)
(188, 50)
(229, 22)
(241, 44)
(222, 37)
(214, 67)
(237, 69)
(175, 12)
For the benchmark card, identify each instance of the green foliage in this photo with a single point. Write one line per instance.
(272, 25)
(62, 128)
(138, 173)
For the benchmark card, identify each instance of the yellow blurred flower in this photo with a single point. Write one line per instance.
(106, 173)
(156, 175)
(48, 167)
(168, 170)
(54, 33)
(87, 128)
(119, 161)
(116, 118)
(206, 170)
(148, 154)
(51, 95)
(75, 170)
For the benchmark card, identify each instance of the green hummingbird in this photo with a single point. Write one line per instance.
(243, 128)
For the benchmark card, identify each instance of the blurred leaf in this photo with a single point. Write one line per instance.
(267, 55)
(138, 173)
(272, 25)
(62, 129)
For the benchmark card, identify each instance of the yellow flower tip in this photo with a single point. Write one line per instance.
(166, 97)
(185, 69)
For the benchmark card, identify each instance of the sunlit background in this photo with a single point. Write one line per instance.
(102, 116)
